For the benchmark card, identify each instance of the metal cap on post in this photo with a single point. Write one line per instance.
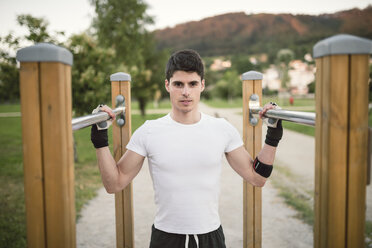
(252, 75)
(342, 44)
(45, 52)
(120, 76)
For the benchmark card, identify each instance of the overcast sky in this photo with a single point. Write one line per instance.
(73, 16)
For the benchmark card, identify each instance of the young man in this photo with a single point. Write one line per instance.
(184, 151)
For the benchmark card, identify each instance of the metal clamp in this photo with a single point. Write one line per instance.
(120, 102)
(254, 109)
(272, 116)
(254, 103)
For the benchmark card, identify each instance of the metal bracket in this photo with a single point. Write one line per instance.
(120, 102)
(254, 109)
(254, 102)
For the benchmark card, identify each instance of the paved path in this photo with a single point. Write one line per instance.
(96, 227)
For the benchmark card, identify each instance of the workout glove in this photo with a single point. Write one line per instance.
(99, 138)
(274, 135)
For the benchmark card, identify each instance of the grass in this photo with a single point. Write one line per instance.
(299, 203)
(163, 104)
(221, 103)
(12, 205)
(238, 102)
(307, 130)
(301, 200)
(284, 102)
(368, 232)
(298, 199)
(5, 108)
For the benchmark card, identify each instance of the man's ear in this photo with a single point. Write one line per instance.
(202, 85)
(167, 85)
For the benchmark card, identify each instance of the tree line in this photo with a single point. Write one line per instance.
(241, 33)
(117, 40)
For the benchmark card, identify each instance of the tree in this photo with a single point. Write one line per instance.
(284, 57)
(229, 86)
(121, 25)
(311, 87)
(37, 31)
(9, 75)
(90, 73)
(241, 64)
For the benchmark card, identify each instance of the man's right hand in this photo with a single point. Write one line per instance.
(99, 138)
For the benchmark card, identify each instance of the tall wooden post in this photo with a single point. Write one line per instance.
(341, 140)
(252, 199)
(120, 85)
(45, 85)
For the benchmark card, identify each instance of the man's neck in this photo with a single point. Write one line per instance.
(191, 117)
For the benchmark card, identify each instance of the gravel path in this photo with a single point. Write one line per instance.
(96, 227)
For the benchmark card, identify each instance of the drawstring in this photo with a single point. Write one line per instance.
(197, 240)
(187, 241)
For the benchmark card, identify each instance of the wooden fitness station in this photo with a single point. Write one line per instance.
(341, 145)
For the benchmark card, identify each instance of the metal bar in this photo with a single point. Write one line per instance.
(305, 118)
(88, 120)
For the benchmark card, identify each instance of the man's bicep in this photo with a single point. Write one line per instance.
(240, 160)
(130, 163)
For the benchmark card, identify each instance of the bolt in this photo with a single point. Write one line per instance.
(254, 97)
(253, 121)
(120, 122)
(120, 100)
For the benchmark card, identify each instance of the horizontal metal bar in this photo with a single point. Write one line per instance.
(88, 120)
(306, 118)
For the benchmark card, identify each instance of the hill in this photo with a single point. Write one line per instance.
(237, 33)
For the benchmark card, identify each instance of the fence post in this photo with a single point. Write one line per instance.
(252, 199)
(45, 86)
(341, 140)
(120, 85)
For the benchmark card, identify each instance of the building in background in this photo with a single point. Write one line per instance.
(301, 75)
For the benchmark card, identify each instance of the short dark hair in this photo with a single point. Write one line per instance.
(185, 60)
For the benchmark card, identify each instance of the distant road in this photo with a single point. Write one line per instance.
(10, 114)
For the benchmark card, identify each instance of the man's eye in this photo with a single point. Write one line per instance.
(177, 84)
(193, 84)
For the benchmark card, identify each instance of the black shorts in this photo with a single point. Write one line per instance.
(160, 239)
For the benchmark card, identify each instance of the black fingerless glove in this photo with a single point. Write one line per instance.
(274, 135)
(99, 138)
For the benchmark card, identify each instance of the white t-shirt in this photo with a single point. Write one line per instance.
(185, 166)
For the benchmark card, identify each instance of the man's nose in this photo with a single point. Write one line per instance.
(186, 91)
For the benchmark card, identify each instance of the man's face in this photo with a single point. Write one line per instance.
(184, 90)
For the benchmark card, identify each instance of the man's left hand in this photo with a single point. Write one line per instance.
(273, 135)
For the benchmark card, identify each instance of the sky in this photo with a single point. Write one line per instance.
(74, 16)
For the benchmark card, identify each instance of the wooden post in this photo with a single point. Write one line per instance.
(45, 85)
(252, 135)
(120, 85)
(341, 140)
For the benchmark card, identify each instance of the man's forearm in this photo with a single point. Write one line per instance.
(109, 170)
(267, 154)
